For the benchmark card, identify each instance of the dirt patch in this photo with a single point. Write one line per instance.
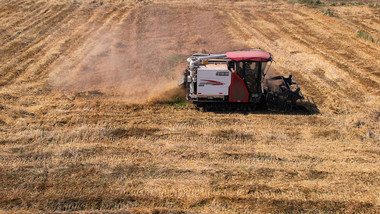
(134, 131)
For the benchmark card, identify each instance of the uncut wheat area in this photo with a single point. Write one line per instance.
(91, 120)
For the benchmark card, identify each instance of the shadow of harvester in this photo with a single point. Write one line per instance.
(307, 106)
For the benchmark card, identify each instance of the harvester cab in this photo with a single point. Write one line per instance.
(235, 80)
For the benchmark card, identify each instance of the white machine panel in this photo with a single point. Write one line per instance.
(213, 81)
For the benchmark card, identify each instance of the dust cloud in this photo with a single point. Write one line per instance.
(143, 56)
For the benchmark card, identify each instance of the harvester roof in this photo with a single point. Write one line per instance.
(255, 56)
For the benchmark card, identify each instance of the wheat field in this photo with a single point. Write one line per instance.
(88, 123)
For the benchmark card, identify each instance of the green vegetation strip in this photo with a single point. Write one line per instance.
(365, 35)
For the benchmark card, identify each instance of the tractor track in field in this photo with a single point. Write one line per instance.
(328, 51)
(28, 53)
(44, 30)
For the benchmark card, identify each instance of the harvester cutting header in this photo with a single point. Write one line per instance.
(235, 80)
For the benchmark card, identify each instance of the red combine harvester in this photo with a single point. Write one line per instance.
(235, 81)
